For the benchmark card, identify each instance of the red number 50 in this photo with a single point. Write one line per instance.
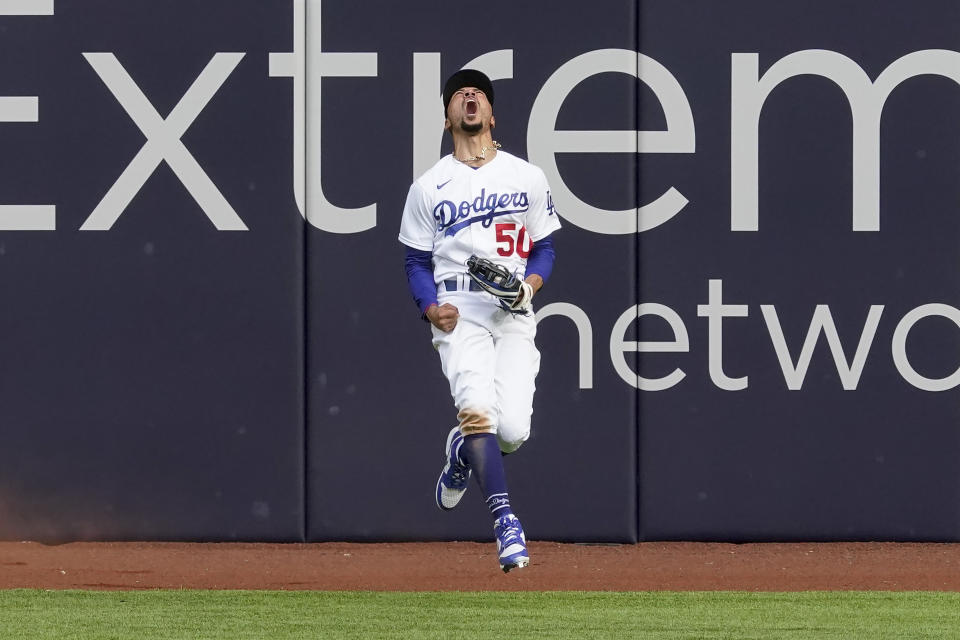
(504, 238)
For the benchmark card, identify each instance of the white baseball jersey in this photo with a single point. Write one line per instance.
(496, 211)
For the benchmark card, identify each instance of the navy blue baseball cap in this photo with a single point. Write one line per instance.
(466, 78)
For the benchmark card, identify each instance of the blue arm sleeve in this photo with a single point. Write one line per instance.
(419, 265)
(541, 258)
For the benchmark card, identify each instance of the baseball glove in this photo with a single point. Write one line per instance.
(511, 292)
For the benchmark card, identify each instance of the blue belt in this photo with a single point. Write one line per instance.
(470, 285)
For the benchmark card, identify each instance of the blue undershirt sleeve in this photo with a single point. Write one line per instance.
(541, 258)
(419, 265)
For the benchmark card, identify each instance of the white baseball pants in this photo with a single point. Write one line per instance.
(491, 362)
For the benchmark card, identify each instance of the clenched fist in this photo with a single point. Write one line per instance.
(443, 317)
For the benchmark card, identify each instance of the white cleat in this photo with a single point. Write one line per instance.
(455, 476)
(511, 543)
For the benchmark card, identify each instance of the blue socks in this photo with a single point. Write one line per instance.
(482, 453)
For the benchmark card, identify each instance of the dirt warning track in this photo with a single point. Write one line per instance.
(469, 566)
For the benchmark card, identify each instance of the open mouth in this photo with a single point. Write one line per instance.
(471, 107)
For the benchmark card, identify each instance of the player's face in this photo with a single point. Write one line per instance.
(469, 110)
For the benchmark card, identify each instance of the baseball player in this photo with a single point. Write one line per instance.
(482, 207)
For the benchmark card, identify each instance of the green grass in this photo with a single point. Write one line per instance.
(238, 615)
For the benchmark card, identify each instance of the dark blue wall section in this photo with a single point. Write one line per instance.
(728, 353)
(818, 462)
(379, 407)
(151, 385)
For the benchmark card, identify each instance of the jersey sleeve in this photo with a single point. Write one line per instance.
(541, 259)
(419, 267)
(417, 227)
(542, 218)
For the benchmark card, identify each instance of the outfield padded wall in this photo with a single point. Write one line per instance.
(152, 378)
(188, 356)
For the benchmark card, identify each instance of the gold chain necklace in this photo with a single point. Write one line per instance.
(483, 153)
